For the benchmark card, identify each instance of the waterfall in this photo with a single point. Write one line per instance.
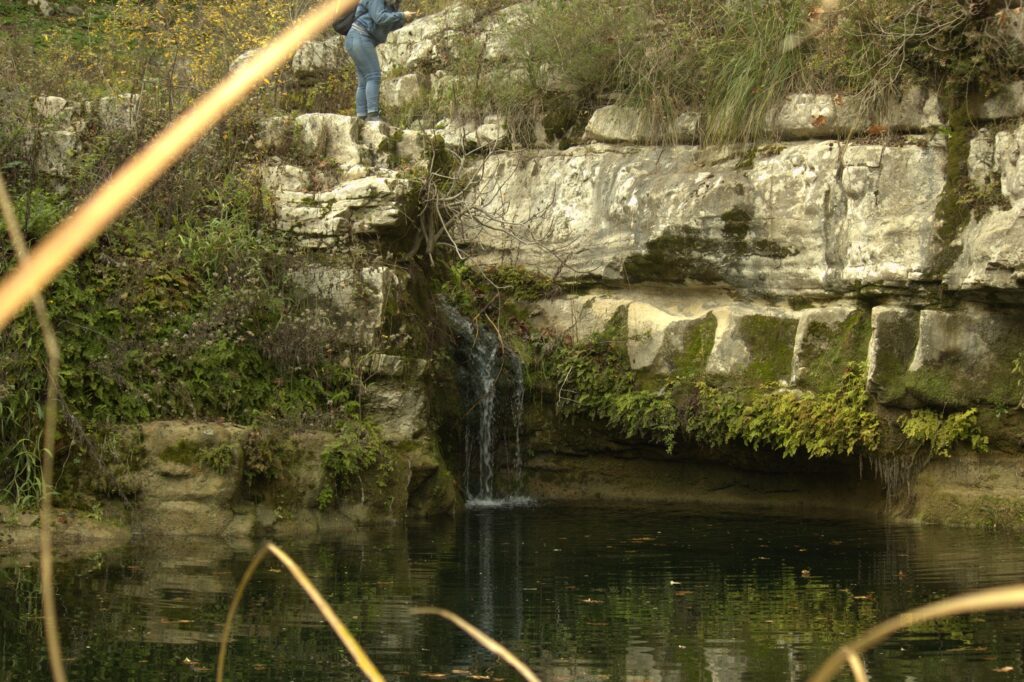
(490, 382)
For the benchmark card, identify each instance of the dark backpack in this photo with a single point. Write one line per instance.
(345, 21)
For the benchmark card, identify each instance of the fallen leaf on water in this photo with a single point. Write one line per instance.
(1004, 669)
(460, 671)
(683, 593)
(435, 676)
(588, 600)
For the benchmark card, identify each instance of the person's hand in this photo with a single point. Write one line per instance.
(409, 16)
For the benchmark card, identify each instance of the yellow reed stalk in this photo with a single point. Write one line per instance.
(993, 599)
(350, 642)
(856, 667)
(53, 648)
(67, 241)
(482, 638)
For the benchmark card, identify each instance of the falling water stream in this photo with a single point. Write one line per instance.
(483, 362)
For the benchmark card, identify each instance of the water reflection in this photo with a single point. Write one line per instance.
(580, 595)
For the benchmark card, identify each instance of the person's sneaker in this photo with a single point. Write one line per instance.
(370, 118)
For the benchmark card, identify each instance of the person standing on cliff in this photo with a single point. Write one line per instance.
(374, 20)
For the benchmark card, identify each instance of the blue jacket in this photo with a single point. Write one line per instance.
(378, 19)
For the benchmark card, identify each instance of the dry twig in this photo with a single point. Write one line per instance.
(53, 647)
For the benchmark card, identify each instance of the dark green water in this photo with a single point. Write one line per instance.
(579, 594)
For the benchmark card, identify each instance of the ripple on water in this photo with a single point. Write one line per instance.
(579, 594)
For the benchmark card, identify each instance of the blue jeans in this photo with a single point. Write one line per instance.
(364, 53)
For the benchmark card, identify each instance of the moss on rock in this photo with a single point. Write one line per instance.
(769, 341)
(827, 349)
(893, 340)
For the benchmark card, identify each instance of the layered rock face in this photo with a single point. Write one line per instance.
(802, 235)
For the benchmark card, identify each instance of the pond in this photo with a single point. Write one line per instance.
(579, 594)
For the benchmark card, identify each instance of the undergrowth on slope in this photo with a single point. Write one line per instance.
(734, 61)
(199, 321)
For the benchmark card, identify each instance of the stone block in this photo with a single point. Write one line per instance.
(664, 343)
(915, 110)
(805, 116)
(360, 297)
(401, 406)
(54, 109)
(396, 93)
(418, 43)
(316, 58)
(242, 59)
(332, 138)
(364, 205)
(1007, 103)
(752, 347)
(617, 123)
(493, 132)
(56, 150)
(963, 357)
(827, 341)
(118, 113)
(577, 318)
(893, 342)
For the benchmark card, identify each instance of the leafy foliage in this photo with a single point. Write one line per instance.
(220, 458)
(196, 321)
(941, 434)
(593, 379)
(822, 425)
(358, 448)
